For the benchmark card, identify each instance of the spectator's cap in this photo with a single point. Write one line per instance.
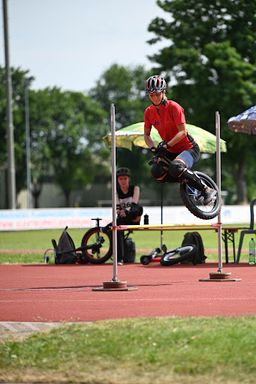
(123, 172)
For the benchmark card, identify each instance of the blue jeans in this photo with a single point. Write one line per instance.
(187, 158)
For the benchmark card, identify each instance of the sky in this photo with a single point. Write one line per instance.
(70, 43)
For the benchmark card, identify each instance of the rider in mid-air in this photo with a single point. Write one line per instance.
(177, 146)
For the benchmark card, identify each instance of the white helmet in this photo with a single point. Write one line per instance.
(155, 83)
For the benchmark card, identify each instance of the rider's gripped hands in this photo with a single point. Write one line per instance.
(162, 144)
(161, 149)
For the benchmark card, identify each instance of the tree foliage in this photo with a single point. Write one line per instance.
(64, 129)
(61, 125)
(209, 58)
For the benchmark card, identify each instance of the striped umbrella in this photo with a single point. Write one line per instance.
(245, 122)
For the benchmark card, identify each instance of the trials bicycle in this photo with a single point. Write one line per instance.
(192, 197)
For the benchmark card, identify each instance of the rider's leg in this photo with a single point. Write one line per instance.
(160, 171)
(179, 169)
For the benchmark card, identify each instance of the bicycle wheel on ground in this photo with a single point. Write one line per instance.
(178, 255)
(193, 200)
(98, 242)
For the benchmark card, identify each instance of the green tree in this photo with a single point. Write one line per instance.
(209, 59)
(66, 137)
(61, 126)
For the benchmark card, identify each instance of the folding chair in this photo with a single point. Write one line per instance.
(247, 231)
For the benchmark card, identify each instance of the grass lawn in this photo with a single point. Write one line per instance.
(153, 350)
(29, 246)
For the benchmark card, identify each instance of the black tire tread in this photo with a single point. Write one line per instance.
(193, 208)
(86, 253)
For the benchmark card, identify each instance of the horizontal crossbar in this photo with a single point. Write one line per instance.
(168, 227)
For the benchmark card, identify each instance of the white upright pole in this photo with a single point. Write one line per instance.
(114, 231)
(219, 275)
(28, 144)
(9, 114)
(218, 176)
(115, 283)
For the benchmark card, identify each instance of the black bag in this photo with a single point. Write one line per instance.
(194, 238)
(129, 251)
(65, 251)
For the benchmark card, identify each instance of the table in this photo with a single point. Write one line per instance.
(227, 232)
(228, 235)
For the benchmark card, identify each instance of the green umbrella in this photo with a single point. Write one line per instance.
(134, 135)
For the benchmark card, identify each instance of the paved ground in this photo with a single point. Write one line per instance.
(39, 297)
(23, 329)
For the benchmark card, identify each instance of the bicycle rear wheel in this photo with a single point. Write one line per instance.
(98, 242)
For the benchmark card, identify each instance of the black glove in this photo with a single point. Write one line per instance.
(161, 149)
(162, 144)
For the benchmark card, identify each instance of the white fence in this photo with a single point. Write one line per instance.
(27, 219)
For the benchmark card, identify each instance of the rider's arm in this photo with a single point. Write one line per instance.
(182, 132)
(136, 194)
(147, 137)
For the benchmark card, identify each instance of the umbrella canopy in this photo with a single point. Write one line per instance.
(245, 122)
(134, 135)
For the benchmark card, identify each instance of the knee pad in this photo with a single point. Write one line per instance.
(176, 168)
(159, 171)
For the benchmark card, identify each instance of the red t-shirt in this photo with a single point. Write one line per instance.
(165, 120)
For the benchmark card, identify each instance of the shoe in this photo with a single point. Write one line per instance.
(209, 195)
(120, 262)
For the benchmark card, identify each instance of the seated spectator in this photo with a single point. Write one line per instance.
(128, 210)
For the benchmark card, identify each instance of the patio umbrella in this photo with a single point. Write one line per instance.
(134, 135)
(245, 122)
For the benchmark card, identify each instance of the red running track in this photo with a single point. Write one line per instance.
(49, 293)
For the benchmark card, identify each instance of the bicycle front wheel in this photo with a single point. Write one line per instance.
(178, 255)
(192, 199)
(96, 245)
